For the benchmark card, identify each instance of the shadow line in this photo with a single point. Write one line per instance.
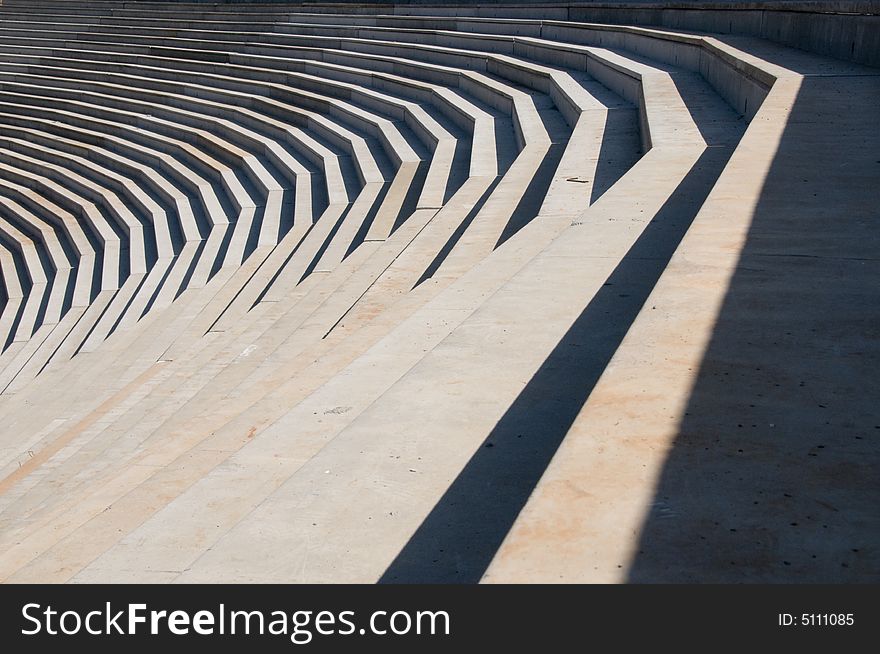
(459, 538)
(773, 476)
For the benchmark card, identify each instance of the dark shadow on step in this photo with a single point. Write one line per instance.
(533, 196)
(773, 476)
(24, 282)
(438, 260)
(458, 539)
(620, 149)
(410, 203)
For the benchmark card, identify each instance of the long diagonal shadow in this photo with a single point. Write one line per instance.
(457, 540)
(773, 475)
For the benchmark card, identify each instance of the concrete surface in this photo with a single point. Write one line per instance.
(340, 294)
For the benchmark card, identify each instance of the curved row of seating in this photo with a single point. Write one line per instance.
(386, 220)
(281, 270)
(511, 139)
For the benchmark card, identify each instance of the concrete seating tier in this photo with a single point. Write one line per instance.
(313, 294)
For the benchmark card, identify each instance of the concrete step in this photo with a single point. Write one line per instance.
(57, 265)
(70, 232)
(352, 380)
(729, 263)
(297, 453)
